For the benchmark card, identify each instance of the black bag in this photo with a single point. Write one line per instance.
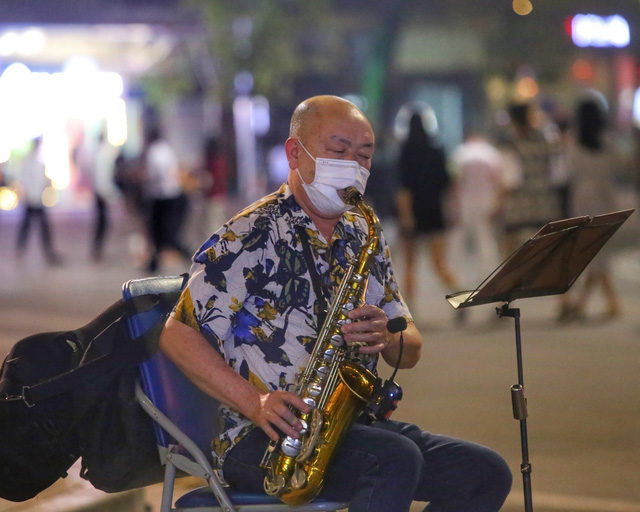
(117, 441)
(65, 395)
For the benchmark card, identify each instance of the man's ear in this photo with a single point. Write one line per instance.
(292, 149)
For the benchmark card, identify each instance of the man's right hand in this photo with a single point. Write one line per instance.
(274, 411)
(193, 354)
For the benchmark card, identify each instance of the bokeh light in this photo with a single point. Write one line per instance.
(42, 104)
(598, 31)
(117, 123)
(8, 198)
(582, 69)
(49, 197)
(527, 88)
(522, 7)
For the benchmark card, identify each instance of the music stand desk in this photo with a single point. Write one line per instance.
(546, 264)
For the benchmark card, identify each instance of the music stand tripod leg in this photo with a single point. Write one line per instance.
(519, 405)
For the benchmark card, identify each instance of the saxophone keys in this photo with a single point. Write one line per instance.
(328, 355)
(274, 486)
(305, 428)
(337, 340)
(314, 389)
(299, 478)
(290, 446)
(322, 372)
(310, 402)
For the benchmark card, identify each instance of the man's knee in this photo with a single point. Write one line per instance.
(495, 479)
(503, 477)
(401, 458)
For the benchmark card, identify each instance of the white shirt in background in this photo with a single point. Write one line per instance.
(163, 172)
(33, 180)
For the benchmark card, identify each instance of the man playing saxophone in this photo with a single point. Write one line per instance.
(248, 319)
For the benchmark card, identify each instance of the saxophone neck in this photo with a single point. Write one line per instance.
(353, 197)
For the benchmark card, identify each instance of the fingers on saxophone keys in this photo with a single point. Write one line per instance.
(297, 402)
(372, 348)
(265, 425)
(290, 420)
(364, 337)
(287, 426)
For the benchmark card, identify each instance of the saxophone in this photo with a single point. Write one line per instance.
(333, 384)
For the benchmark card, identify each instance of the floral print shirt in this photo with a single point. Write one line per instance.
(250, 295)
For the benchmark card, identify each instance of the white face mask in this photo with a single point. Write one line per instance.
(332, 176)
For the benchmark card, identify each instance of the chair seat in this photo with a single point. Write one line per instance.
(204, 497)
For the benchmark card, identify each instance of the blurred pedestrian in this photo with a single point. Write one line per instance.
(477, 170)
(168, 202)
(128, 177)
(424, 181)
(34, 182)
(98, 166)
(591, 162)
(559, 171)
(529, 199)
(216, 171)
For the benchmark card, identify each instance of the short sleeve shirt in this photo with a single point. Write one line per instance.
(250, 295)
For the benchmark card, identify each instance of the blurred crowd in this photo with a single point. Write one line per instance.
(467, 209)
(151, 195)
(479, 204)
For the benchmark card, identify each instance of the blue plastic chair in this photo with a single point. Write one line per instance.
(184, 422)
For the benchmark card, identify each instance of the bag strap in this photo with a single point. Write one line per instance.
(320, 290)
(134, 353)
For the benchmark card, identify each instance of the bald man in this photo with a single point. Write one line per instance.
(247, 321)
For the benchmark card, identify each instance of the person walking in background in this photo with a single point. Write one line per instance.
(477, 170)
(34, 181)
(591, 161)
(129, 178)
(529, 199)
(163, 188)
(99, 166)
(216, 171)
(423, 184)
(559, 172)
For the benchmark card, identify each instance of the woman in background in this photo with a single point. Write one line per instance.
(591, 163)
(423, 183)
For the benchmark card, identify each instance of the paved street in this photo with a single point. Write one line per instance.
(582, 379)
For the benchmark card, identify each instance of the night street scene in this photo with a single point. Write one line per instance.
(132, 131)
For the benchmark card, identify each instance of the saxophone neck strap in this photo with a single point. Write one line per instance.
(321, 291)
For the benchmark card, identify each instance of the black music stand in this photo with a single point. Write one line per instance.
(546, 264)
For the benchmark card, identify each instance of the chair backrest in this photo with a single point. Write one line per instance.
(167, 387)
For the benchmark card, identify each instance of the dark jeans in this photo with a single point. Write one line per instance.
(167, 218)
(101, 225)
(385, 466)
(31, 212)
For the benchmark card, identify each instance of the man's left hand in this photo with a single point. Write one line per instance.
(369, 327)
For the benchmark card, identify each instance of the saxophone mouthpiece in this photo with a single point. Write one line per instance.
(352, 196)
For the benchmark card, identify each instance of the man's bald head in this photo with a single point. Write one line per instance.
(315, 109)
